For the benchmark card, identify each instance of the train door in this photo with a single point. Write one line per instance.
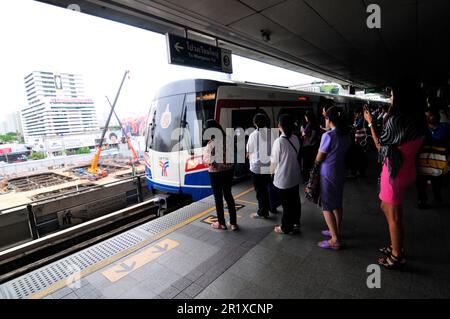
(296, 113)
(191, 140)
(197, 109)
(241, 120)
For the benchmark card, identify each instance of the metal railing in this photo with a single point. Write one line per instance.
(31, 216)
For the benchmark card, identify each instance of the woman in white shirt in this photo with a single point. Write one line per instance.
(285, 165)
(259, 147)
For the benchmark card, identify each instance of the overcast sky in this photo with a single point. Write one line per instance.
(37, 36)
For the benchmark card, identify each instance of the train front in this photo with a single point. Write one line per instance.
(174, 147)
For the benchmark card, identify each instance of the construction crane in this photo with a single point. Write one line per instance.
(134, 157)
(94, 164)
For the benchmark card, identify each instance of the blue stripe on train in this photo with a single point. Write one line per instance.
(199, 178)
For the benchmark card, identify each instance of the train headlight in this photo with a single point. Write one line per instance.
(195, 163)
(191, 164)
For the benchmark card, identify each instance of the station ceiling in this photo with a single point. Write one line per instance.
(324, 38)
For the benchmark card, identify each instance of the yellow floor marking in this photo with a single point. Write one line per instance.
(246, 201)
(137, 261)
(89, 270)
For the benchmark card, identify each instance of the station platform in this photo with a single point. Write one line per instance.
(180, 256)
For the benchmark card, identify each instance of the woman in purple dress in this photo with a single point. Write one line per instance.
(331, 157)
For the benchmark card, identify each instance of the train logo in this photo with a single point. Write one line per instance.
(166, 118)
(164, 166)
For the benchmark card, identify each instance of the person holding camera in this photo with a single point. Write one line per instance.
(398, 145)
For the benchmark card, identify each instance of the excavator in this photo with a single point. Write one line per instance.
(93, 169)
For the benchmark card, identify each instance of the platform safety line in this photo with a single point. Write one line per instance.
(246, 201)
(89, 270)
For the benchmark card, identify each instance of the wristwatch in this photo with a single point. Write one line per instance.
(370, 125)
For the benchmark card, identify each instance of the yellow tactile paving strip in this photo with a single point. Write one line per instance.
(104, 263)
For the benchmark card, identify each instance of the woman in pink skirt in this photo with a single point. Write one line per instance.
(402, 135)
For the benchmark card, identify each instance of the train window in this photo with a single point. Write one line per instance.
(151, 124)
(244, 118)
(206, 103)
(192, 123)
(166, 120)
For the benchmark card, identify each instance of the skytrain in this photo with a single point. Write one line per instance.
(185, 106)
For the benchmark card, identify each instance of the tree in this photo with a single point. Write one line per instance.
(37, 156)
(83, 150)
(10, 137)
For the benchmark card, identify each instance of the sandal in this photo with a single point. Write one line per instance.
(278, 230)
(216, 225)
(392, 262)
(326, 245)
(257, 216)
(387, 250)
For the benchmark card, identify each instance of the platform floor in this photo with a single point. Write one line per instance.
(181, 256)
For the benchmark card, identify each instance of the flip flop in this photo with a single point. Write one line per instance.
(326, 245)
(326, 233)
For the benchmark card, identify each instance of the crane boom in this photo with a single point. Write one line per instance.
(94, 165)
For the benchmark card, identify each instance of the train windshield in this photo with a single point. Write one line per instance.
(179, 118)
(165, 118)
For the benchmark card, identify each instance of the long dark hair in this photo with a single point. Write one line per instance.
(409, 100)
(260, 120)
(287, 124)
(215, 124)
(311, 119)
(337, 117)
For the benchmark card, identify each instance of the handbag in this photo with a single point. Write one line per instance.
(312, 188)
(433, 161)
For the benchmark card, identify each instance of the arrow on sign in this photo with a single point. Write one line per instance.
(160, 249)
(178, 47)
(126, 268)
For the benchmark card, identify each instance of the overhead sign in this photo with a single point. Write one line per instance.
(187, 52)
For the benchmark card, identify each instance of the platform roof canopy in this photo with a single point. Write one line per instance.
(324, 38)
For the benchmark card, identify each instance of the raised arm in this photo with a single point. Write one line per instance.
(369, 120)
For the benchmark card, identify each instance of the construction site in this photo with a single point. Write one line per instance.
(52, 198)
(67, 196)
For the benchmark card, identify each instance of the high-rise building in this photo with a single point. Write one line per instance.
(11, 124)
(57, 105)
